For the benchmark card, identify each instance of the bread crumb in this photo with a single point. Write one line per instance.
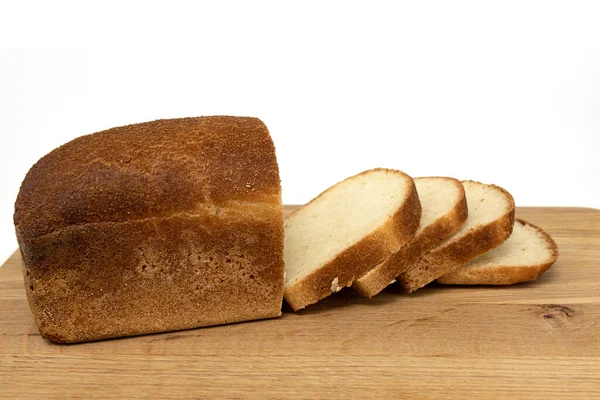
(393, 281)
(334, 285)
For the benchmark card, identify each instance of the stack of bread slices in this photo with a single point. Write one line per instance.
(381, 226)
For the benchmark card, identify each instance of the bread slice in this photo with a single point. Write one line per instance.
(444, 210)
(489, 224)
(345, 231)
(524, 256)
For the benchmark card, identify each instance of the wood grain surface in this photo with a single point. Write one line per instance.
(533, 340)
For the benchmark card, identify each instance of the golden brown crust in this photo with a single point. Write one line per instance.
(380, 277)
(356, 260)
(451, 255)
(501, 274)
(152, 169)
(212, 254)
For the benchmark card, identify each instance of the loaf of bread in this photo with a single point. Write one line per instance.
(345, 231)
(443, 211)
(159, 226)
(524, 256)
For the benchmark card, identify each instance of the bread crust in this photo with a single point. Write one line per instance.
(449, 256)
(501, 274)
(148, 170)
(356, 260)
(380, 277)
(197, 239)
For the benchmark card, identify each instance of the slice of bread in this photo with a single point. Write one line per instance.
(489, 224)
(345, 231)
(524, 256)
(444, 210)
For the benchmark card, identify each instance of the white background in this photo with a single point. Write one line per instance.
(501, 92)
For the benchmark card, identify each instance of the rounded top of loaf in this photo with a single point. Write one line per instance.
(153, 169)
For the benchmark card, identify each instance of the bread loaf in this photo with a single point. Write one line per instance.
(159, 226)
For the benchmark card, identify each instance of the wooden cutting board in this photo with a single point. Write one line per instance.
(538, 339)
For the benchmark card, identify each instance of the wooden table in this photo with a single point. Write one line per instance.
(537, 340)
